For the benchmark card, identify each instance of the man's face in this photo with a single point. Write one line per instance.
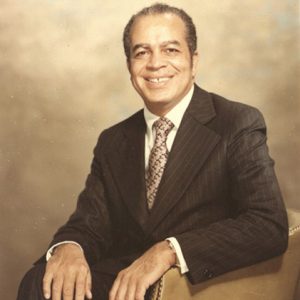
(161, 67)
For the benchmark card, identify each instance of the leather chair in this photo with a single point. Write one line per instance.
(276, 279)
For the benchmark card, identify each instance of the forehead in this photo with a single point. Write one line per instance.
(158, 28)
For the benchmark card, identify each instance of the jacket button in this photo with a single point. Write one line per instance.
(207, 273)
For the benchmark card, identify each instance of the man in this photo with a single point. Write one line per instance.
(186, 182)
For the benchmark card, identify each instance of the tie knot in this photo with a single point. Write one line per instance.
(163, 126)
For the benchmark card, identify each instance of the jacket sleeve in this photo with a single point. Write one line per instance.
(89, 225)
(258, 230)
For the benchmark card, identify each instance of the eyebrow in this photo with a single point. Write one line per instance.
(164, 44)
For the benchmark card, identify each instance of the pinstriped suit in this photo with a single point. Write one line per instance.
(218, 196)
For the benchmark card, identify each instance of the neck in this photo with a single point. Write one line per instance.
(160, 109)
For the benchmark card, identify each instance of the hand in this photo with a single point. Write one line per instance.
(69, 274)
(132, 282)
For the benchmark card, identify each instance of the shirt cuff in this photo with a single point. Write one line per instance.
(50, 251)
(181, 263)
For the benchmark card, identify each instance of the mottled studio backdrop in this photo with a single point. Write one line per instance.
(63, 79)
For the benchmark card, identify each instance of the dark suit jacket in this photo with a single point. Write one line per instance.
(218, 196)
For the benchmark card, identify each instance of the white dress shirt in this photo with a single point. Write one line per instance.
(175, 116)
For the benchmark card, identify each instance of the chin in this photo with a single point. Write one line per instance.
(158, 96)
(158, 101)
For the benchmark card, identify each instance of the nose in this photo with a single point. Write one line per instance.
(156, 60)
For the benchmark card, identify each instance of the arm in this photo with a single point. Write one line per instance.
(89, 225)
(67, 271)
(258, 229)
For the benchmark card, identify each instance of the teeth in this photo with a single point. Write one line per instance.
(153, 79)
(156, 80)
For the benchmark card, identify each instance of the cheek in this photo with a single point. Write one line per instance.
(137, 69)
(136, 80)
(180, 64)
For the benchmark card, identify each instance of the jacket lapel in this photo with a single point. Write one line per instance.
(128, 166)
(192, 146)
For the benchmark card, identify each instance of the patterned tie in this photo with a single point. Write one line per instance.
(158, 158)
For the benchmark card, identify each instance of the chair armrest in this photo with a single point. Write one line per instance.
(277, 278)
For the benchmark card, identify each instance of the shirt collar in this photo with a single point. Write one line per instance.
(175, 115)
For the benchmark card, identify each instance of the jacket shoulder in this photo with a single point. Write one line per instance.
(114, 135)
(226, 106)
(125, 124)
(233, 115)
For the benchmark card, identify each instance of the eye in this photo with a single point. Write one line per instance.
(141, 53)
(171, 50)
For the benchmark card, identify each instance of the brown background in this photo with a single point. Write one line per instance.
(63, 79)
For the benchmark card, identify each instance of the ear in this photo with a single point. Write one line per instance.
(195, 60)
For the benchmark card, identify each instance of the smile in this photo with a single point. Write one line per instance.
(158, 79)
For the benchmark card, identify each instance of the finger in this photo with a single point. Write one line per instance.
(88, 286)
(131, 289)
(140, 292)
(47, 280)
(122, 289)
(57, 285)
(69, 286)
(114, 289)
(80, 285)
